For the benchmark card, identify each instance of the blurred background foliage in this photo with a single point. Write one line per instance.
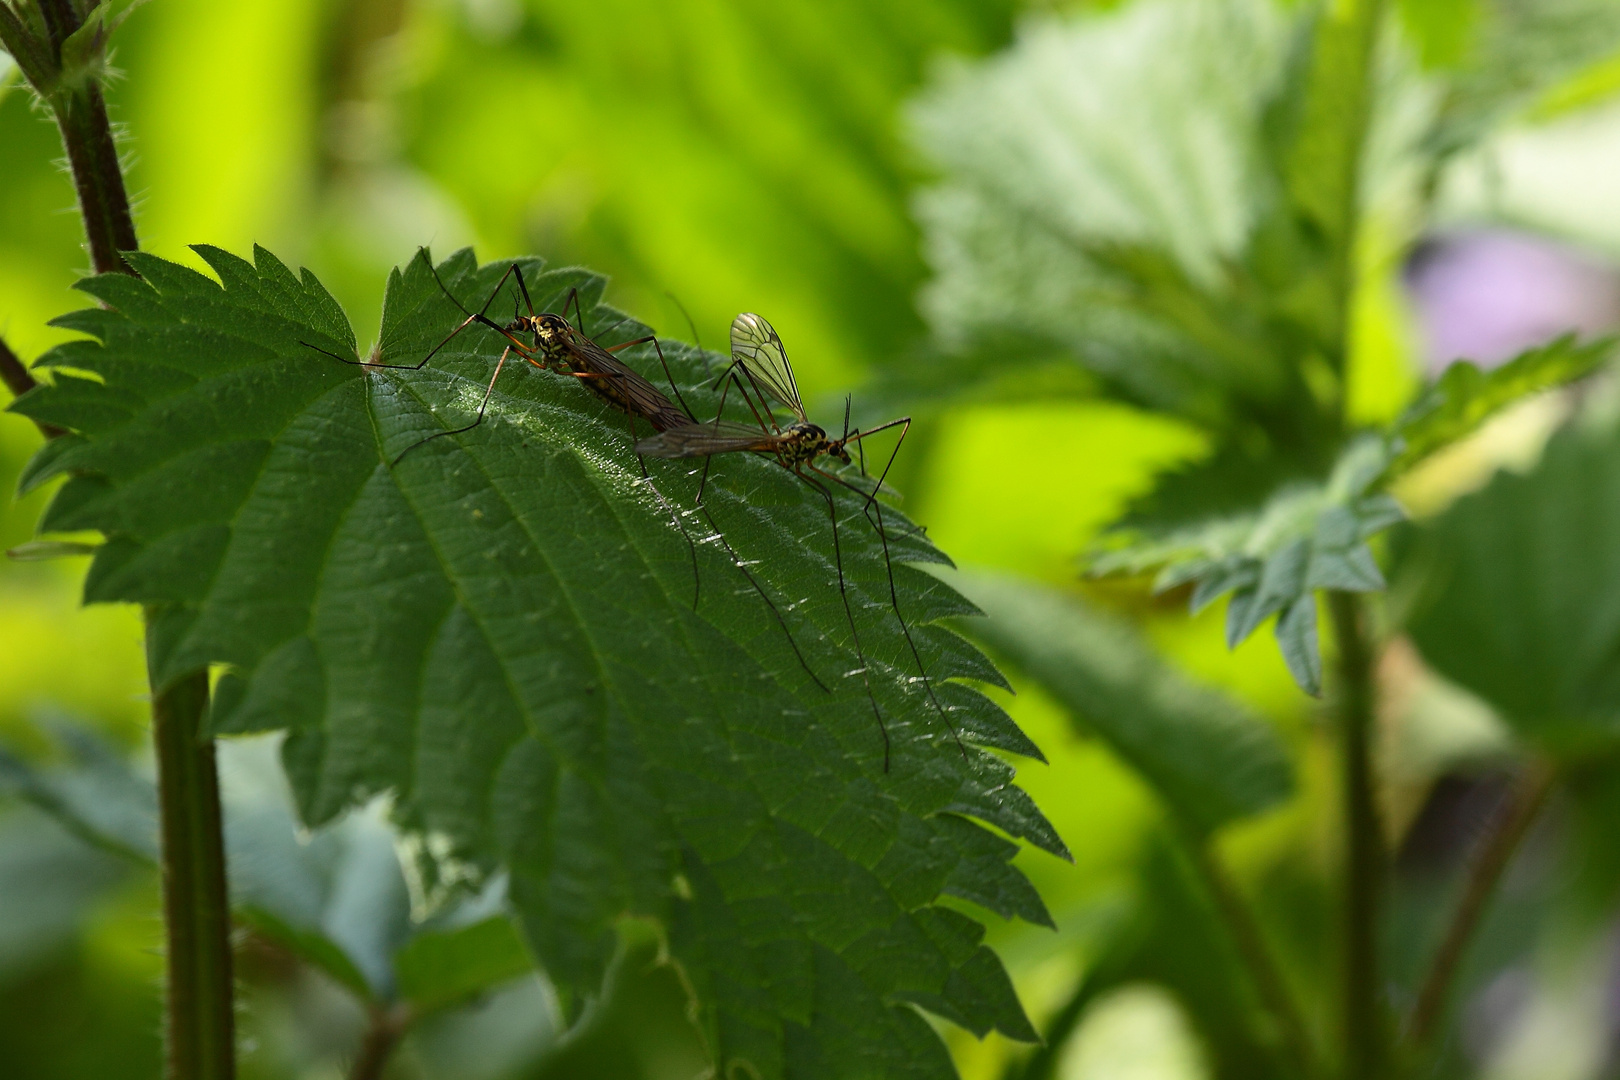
(924, 196)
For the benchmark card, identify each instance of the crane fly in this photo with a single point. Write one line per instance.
(757, 352)
(559, 347)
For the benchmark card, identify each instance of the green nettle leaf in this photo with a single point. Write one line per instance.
(1210, 759)
(1517, 51)
(1465, 397)
(1517, 592)
(498, 631)
(1271, 562)
(1085, 203)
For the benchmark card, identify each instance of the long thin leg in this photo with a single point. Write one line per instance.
(482, 405)
(870, 505)
(737, 561)
(703, 482)
(855, 635)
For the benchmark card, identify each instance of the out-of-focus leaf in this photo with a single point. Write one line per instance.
(1305, 537)
(1327, 159)
(1167, 932)
(1230, 482)
(1517, 52)
(439, 968)
(96, 795)
(49, 881)
(337, 898)
(499, 630)
(1465, 397)
(1517, 593)
(1211, 760)
(1088, 202)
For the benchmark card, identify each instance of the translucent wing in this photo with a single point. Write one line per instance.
(756, 347)
(701, 440)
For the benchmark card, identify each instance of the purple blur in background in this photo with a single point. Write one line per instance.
(1489, 294)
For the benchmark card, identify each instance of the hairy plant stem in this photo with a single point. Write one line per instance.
(1254, 952)
(200, 1020)
(1512, 822)
(386, 1027)
(14, 373)
(1365, 1031)
(81, 116)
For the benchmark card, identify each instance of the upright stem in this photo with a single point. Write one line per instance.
(1365, 858)
(387, 1026)
(81, 115)
(196, 907)
(1512, 822)
(201, 1039)
(1256, 955)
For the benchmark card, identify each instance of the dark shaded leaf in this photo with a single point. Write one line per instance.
(499, 631)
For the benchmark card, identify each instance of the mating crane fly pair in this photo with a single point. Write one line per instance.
(761, 372)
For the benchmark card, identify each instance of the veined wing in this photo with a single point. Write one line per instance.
(756, 347)
(701, 440)
(623, 386)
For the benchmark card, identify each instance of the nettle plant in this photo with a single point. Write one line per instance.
(499, 632)
(1200, 210)
(1188, 206)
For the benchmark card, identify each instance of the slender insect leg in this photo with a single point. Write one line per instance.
(870, 505)
(579, 316)
(860, 654)
(480, 316)
(482, 405)
(736, 560)
(730, 374)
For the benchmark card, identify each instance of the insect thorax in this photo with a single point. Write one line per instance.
(803, 442)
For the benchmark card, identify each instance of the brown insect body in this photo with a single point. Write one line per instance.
(760, 362)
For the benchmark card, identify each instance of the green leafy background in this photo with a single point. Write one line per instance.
(796, 160)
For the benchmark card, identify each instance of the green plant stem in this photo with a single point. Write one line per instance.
(1255, 953)
(196, 907)
(1365, 857)
(1529, 794)
(386, 1027)
(81, 116)
(1362, 19)
(196, 904)
(14, 373)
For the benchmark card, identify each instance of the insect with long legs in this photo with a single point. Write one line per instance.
(559, 347)
(757, 352)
